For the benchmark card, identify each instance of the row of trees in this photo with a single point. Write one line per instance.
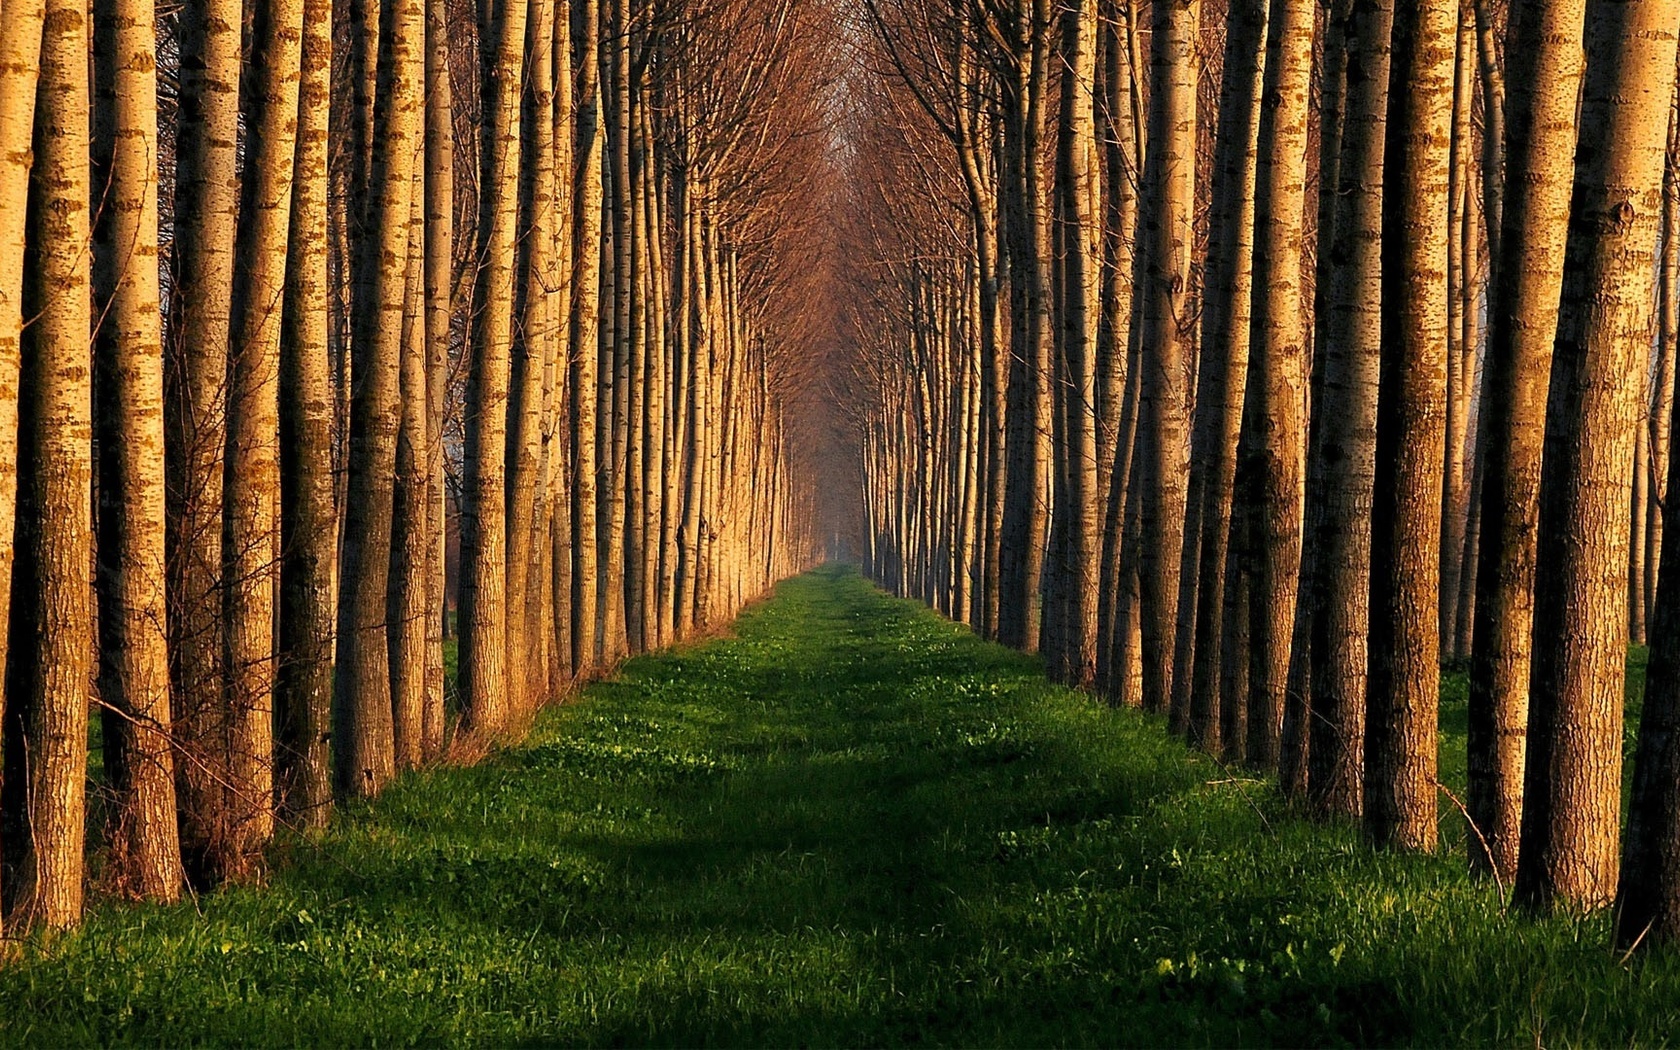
(1247, 359)
(361, 276)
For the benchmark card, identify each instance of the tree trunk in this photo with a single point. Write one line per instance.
(52, 624)
(1404, 691)
(1343, 467)
(128, 377)
(1169, 238)
(364, 753)
(1546, 75)
(308, 517)
(484, 634)
(20, 63)
(585, 333)
(1222, 380)
(1572, 811)
(1277, 369)
(252, 556)
(196, 418)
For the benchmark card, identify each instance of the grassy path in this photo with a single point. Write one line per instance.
(850, 824)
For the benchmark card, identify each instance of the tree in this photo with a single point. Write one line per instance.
(1522, 321)
(128, 386)
(1277, 370)
(1404, 692)
(53, 618)
(308, 517)
(196, 423)
(484, 611)
(1572, 786)
(364, 745)
(1165, 273)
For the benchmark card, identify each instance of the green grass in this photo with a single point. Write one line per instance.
(850, 824)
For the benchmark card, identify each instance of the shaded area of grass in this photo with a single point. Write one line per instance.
(851, 824)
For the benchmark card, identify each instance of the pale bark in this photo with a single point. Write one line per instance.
(1277, 370)
(484, 610)
(1222, 379)
(1572, 785)
(1169, 237)
(308, 517)
(584, 335)
(53, 615)
(20, 63)
(252, 489)
(128, 377)
(196, 416)
(1546, 76)
(1344, 440)
(364, 756)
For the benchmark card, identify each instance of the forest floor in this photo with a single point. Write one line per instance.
(849, 823)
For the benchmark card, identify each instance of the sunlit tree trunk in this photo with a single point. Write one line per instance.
(1545, 77)
(1344, 440)
(1572, 787)
(364, 745)
(1404, 694)
(1222, 378)
(585, 333)
(484, 610)
(252, 556)
(1169, 243)
(53, 616)
(1079, 205)
(1277, 369)
(128, 386)
(533, 346)
(308, 517)
(440, 309)
(196, 418)
(20, 63)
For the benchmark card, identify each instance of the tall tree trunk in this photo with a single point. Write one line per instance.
(1170, 181)
(308, 517)
(1277, 369)
(196, 414)
(1080, 228)
(408, 592)
(52, 624)
(1404, 692)
(128, 377)
(252, 554)
(364, 754)
(1344, 440)
(1572, 788)
(1222, 379)
(20, 64)
(1545, 77)
(440, 310)
(484, 634)
(585, 333)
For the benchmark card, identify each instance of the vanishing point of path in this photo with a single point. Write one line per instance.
(849, 823)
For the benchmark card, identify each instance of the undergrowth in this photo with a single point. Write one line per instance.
(851, 823)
